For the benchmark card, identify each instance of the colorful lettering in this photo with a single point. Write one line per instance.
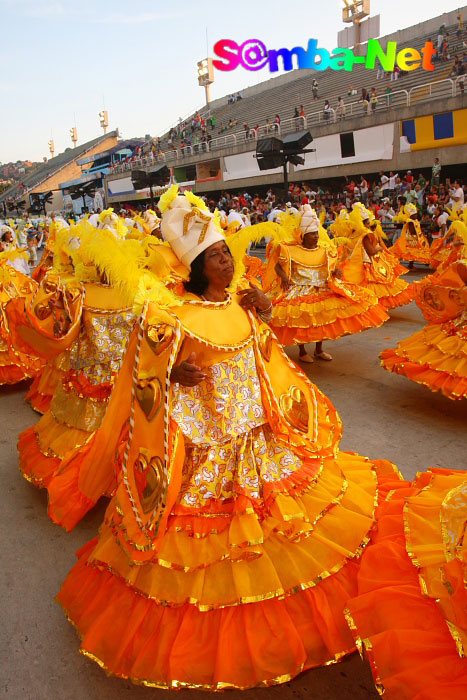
(220, 49)
(406, 55)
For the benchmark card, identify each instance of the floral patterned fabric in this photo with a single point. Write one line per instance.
(230, 449)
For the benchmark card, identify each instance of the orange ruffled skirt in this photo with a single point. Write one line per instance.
(436, 357)
(411, 253)
(51, 453)
(325, 315)
(42, 389)
(409, 620)
(232, 602)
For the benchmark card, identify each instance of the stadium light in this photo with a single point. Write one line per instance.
(74, 135)
(51, 147)
(355, 10)
(205, 75)
(104, 120)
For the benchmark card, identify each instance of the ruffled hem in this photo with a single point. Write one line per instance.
(433, 358)
(36, 467)
(258, 644)
(42, 389)
(406, 639)
(416, 255)
(67, 504)
(12, 374)
(300, 331)
(390, 296)
(265, 642)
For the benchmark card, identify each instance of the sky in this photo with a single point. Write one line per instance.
(63, 61)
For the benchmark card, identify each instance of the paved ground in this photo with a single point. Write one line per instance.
(384, 416)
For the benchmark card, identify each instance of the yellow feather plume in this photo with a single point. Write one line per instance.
(238, 244)
(195, 200)
(167, 198)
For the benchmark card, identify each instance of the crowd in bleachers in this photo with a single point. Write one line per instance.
(384, 196)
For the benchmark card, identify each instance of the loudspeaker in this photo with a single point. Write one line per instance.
(297, 141)
(141, 179)
(269, 145)
(268, 162)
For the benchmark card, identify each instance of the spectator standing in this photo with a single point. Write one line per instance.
(302, 117)
(373, 99)
(384, 184)
(388, 96)
(277, 123)
(435, 173)
(340, 111)
(314, 89)
(328, 110)
(392, 185)
(364, 190)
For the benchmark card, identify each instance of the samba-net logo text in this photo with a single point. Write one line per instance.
(253, 55)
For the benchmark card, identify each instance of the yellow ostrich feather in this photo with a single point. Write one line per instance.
(167, 198)
(378, 229)
(151, 288)
(122, 261)
(105, 213)
(13, 254)
(239, 242)
(195, 200)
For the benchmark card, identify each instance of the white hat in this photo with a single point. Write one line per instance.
(309, 221)
(189, 229)
(411, 209)
(289, 204)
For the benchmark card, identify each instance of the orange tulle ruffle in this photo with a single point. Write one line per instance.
(326, 316)
(398, 618)
(160, 625)
(435, 357)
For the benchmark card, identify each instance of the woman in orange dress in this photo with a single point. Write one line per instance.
(86, 321)
(410, 617)
(412, 245)
(370, 263)
(233, 538)
(436, 356)
(15, 365)
(311, 303)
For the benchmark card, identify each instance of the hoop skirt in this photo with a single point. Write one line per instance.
(318, 306)
(380, 274)
(412, 246)
(15, 365)
(233, 538)
(436, 356)
(410, 615)
(89, 356)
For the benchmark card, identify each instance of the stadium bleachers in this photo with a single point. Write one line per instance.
(258, 108)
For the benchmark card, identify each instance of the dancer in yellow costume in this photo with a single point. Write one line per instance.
(412, 244)
(233, 538)
(436, 356)
(311, 304)
(15, 365)
(370, 263)
(410, 617)
(87, 320)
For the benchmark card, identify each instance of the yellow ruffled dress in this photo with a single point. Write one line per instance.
(15, 365)
(412, 246)
(232, 542)
(410, 616)
(318, 306)
(436, 356)
(89, 356)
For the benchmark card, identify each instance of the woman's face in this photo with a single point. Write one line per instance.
(310, 239)
(218, 264)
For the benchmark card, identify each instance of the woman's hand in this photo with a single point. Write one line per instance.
(254, 298)
(187, 373)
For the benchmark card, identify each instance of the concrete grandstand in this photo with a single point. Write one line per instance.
(403, 131)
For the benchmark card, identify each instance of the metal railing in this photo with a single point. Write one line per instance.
(398, 98)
